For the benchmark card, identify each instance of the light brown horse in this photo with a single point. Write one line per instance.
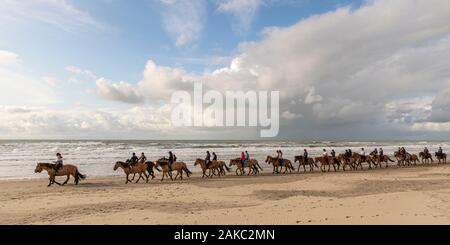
(302, 162)
(440, 157)
(275, 161)
(403, 159)
(180, 167)
(66, 170)
(213, 166)
(345, 161)
(326, 161)
(385, 158)
(139, 168)
(252, 165)
(425, 158)
(414, 159)
(359, 159)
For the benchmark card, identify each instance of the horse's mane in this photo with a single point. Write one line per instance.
(44, 164)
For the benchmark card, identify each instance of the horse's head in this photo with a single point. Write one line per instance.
(197, 161)
(38, 168)
(232, 162)
(117, 165)
(268, 159)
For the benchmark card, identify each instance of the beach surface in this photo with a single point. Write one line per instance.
(407, 195)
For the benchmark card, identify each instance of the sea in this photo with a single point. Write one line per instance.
(18, 158)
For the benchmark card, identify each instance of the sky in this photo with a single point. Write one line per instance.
(106, 69)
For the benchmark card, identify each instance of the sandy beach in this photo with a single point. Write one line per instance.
(411, 195)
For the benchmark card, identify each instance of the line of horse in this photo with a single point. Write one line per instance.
(145, 170)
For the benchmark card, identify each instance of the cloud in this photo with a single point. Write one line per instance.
(289, 115)
(38, 122)
(121, 91)
(82, 72)
(57, 13)
(7, 57)
(52, 81)
(18, 87)
(243, 11)
(184, 20)
(160, 82)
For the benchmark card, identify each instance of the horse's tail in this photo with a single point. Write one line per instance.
(257, 164)
(315, 164)
(150, 166)
(79, 176)
(188, 172)
(227, 168)
(390, 160)
(290, 166)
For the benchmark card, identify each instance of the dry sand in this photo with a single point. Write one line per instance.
(412, 195)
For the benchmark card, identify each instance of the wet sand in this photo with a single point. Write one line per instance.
(407, 195)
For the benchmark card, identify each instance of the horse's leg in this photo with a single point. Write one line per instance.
(134, 175)
(49, 182)
(67, 179)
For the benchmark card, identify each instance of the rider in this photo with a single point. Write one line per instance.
(305, 155)
(58, 162)
(171, 160)
(247, 156)
(133, 160)
(440, 151)
(425, 151)
(375, 152)
(325, 155)
(280, 157)
(214, 156)
(381, 153)
(242, 159)
(333, 155)
(143, 158)
(363, 153)
(207, 159)
(403, 151)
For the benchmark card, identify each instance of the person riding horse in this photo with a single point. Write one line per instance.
(214, 156)
(132, 161)
(58, 164)
(207, 159)
(280, 157)
(143, 158)
(381, 153)
(325, 155)
(426, 152)
(439, 152)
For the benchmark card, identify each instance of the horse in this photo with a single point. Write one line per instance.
(213, 166)
(359, 159)
(324, 161)
(345, 161)
(402, 159)
(440, 157)
(252, 165)
(414, 159)
(180, 167)
(276, 163)
(301, 161)
(384, 159)
(66, 170)
(139, 168)
(425, 158)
